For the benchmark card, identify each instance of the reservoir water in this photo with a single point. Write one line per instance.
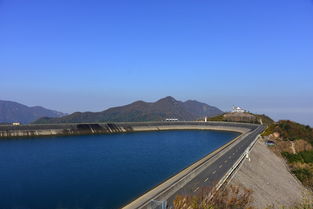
(96, 171)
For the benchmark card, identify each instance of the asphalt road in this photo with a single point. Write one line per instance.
(213, 173)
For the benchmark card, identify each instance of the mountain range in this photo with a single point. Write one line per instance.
(167, 107)
(15, 112)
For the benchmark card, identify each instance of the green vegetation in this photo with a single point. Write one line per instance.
(269, 130)
(265, 119)
(292, 158)
(247, 118)
(307, 156)
(301, 166)
(303, 174)
(301, 163)
(217, 118)
(290, 130)
(303, 157)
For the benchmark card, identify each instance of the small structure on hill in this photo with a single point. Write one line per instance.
(16, 123)
(238, 109)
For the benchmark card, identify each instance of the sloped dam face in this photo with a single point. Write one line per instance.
(96, 171)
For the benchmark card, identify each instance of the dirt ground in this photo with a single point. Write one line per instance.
(267, 175)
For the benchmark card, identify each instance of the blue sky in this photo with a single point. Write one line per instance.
(73, 55)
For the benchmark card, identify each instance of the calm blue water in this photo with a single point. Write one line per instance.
(102, 171)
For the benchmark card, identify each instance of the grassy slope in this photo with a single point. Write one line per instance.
(290, 130)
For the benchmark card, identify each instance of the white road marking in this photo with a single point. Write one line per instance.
(220, 166)
(214, 172)
(225, 161)
(196, 189)
(233, 153)
(206, 179)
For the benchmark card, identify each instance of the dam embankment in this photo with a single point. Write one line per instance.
(8, 131)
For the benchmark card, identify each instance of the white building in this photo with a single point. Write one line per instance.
(171, 119)
(238, 109)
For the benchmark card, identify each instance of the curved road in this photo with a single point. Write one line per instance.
(214, 173)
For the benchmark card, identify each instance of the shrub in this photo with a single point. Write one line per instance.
(303, 157)
(290, 130)
(292, 158)
(307, 156)
(303, 174)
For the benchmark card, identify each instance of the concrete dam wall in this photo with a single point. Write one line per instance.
(8, 131)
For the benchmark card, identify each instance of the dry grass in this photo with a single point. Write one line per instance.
(286, 145)
(302, 145)
(300, 165)
(232, 197)
(307, 203)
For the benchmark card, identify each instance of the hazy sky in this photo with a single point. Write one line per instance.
(91, 55)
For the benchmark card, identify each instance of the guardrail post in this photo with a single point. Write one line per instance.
(247, 155)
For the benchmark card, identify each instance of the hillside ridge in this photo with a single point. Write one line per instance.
(167, 107)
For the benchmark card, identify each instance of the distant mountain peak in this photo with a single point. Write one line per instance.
(191, 100)
(138, 102)
(168, 98)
